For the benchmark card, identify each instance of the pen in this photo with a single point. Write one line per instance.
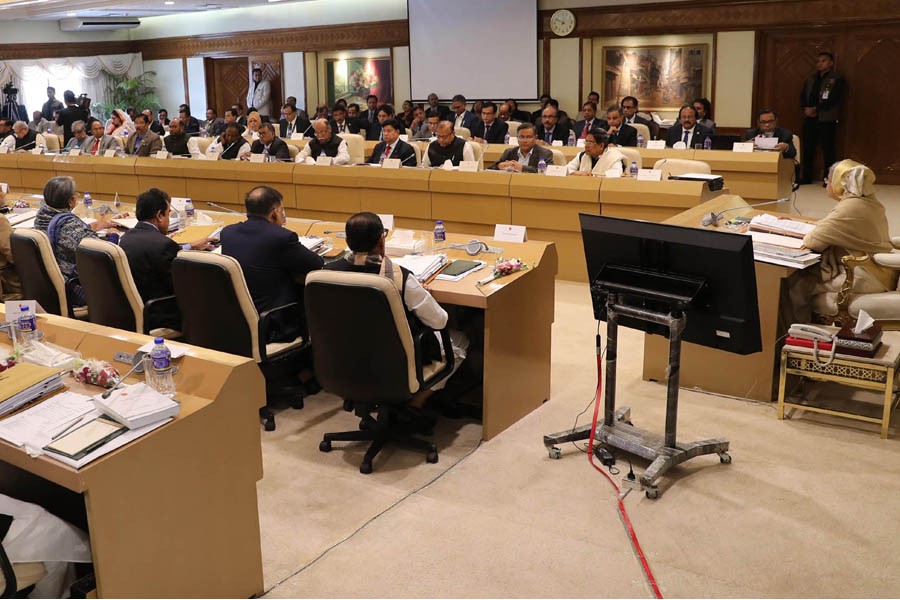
(68, 428)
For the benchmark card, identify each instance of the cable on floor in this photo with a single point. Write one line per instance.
(586, 449)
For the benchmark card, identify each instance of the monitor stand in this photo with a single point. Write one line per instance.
(617, 431)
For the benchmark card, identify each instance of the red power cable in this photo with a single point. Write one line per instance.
(628, 527)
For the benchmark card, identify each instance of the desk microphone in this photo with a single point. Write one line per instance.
(138, 360)
(214, 205)
(413, 156)
(713, 218)
(23, 146)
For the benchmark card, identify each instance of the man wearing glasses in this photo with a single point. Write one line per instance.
(767, 127)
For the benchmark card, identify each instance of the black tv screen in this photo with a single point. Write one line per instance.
(712, 272)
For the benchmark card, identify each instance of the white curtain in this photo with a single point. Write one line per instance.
(93, 71)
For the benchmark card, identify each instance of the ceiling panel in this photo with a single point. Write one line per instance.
(49, 10)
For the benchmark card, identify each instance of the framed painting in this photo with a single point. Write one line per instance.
(355, 78)
(660, 77)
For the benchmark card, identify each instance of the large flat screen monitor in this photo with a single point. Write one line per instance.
(710, 275)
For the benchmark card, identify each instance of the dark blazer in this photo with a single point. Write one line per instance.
(278, 148)
(373, 131)
(177, 146)
(350, 125)
(401, 150)
(625, 136)
(150, 255)
(468, 121)
(559, 133)
(580, 125)
(365, 119)
(784, 136)
(676, 133)
(537, 153)
(150, 144)
(498, 132)
(275, 264)
(301, 125)
(191, 126)
(157, 127)
(520, 115)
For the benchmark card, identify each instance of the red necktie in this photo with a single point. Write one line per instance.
(387, 152)
(587, 128)
(96, 145)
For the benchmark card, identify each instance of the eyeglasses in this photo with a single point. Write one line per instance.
(766, 121)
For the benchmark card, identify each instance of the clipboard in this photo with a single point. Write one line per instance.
(83, 440)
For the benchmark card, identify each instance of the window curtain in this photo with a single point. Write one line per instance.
(93, 71)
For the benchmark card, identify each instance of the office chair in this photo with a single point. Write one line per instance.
(113, 296)
(40, 275)
(218, 313)
(16, 581)
(365, 353)
(356, 147)
(680, 166)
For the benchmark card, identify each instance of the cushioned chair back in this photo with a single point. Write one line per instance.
(680, 166)
(632, 154)
(356, 146)
(121, 139)
(478, 153)
(51, 141)
(642, 130)
(216, 309)
(417, 148)
(513, 128)
(203, 143)
(463, 132)
(293, 151)
(37, 268)
(361, 343)
(108, 285)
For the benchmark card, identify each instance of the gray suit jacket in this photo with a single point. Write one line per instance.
(107, 142)
(537, 153)
(150, 144)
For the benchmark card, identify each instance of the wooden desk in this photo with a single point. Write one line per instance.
(163, 512)
(657, 201)
(81, 169)
(754, 176)
(10, 173)
(327, 193)
(35, 171)
(400, 192)
(470, 202)
(115, 175)
(168, 175)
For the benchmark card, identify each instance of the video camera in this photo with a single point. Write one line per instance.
(84, 102)
(10, 91)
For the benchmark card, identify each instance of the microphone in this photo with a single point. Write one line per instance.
(411, 156)
(138, 361)
(214, 205)
(23, 146)
(714, 218)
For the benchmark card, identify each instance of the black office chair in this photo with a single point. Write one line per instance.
(40, 275)
(113, 296)
(16, 581)
(218, 313)
(364, 352)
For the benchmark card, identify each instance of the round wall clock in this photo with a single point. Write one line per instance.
(562, 22)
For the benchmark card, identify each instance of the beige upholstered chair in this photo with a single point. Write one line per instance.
(41, 278)
(513, 128)
(121, 141)
(642, 130)
(478, 153)
(356, 146)
(198, 145)
(463, 132)
(632, 154)
(51, 142)
(680, 166)
(417, 148)
(293, 151)
(112, 294)
(882, 306)
(558, 157)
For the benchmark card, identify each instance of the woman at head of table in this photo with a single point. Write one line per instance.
(10, 285)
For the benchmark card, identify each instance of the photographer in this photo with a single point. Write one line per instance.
(71, 113)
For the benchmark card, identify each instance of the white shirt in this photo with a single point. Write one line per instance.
(218, 148)
(468, 154)
(423, 304)
(342, 158)
(610, 159)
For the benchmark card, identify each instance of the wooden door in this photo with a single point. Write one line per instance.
(226, 82)
(271, 71)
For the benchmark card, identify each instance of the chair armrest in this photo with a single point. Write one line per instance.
(890, 260)
(152, 304)
(446, 346)
(895, 242)
(264, 320)
(886, 270)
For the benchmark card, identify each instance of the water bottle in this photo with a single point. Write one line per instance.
(440, 234)
(188, 213)
(41, 148)
(640, 140)
(506, 139)
(707, 144)
(27, 326)
(571, 138)
(542, 166)
(88, 205)
(164, 383)
(633, 171)
(266, 157)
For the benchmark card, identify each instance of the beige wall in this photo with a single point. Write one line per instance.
(735, 57)
(564, 73)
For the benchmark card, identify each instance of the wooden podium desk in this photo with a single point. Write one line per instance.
(81, 169)
(752, 376)
(173, 513)
(327, 193)
(115, 175)
(628, 198)
(399, 192)
(170, 175)
(470, 202)
(754, 176)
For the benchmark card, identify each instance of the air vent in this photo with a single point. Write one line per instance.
(98, 23)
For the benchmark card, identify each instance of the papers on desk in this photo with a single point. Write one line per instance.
(422, 266)
(136, 406)
(24, 383)
(22, 217)
(176, 350)
(765, 143)
(113, 444)
(35, 427)
(782, 250)
(26, 224)
(312, 243)
(403, 242)
(126, 222)
(771, 224)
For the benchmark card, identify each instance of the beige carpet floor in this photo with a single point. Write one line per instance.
(808, 508)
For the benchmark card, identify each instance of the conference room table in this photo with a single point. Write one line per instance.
(165, 511)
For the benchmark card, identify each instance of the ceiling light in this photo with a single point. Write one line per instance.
(70, 14)
(274, 0)
(169, 2)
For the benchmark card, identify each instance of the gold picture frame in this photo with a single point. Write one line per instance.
(660, 77)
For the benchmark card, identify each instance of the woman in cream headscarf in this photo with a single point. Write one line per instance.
(119, 124)
(857, 226)
(253, 122)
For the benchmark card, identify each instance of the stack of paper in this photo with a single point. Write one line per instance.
(126, 222)
(771, 224)
(24, 383)
(403, 242)
(782, 250)
(36, 426)
(22, 217)
(312, 242)
(137, 405)
(422, 266)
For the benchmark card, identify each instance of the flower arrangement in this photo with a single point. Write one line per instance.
(96, 372)
(504, 267)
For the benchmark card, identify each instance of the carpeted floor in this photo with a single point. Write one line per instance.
(807, 508)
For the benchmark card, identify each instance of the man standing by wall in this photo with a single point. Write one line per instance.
(259, 93)
(821, 99)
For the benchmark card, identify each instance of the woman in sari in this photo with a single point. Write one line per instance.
(253, 122)
(119, 124)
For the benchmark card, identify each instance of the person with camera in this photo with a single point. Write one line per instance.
(72, 112)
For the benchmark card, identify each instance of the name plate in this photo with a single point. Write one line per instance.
(257, 158)
(161, 154)
(74, 151)
(649, 175)
(4, 187)
(324, 161)
(510, 233)
(111, 153)
(387, 221)
(556, 171)
(742, 147)
(391, 163)
(37, 151)
(468, 166)
(557, 143)
(296, 136)
(4, 149)
(656, 144)
(178, 203)
(579, 143)
(513, 141)
(613, 173)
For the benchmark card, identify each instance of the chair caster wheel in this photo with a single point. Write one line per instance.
(325, 446)
(269, 425)
(652, 492)
(296, 403)
(365, 468)
(348, 405)
(554, 452)
(724, 458)
(431, 457)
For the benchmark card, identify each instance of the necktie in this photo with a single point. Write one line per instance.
(587, 127)
(96, 145)
(548, 137)
(687, 136)
(387, 152)
(381, 136)
(137, 143)
(487, 130)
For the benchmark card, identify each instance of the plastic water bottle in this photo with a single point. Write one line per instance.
(542, 166)
(41, 148)
(571, 138)
(506, 139)
(266, 157)
(88, 205)
(188, 213)
(162, 368)
(640, 140)
(440, 234)
(27, 326)
(707, 144)
(633, 171)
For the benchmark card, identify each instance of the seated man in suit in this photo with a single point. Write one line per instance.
(292, 123)
(177, 141)
(550, 129)
(231, 117)
(273, 260)
(489, 129)
(536, 115)
(150, 254)
(393, 146)
(214, 124)
(325, 144)
(270, 145)
(155, 126)
(430, 130)
(340, 123)
(230, 145)
(447, 147)
(442, 111)
(418, 127)
(687, 129)
(79, 136)
(384, 113)
(515, 114)
(462, 117)
(503, 113)
(767, 127)
(598, 156)
(191, 124)
(143, 142)
(629, 111)
(99, 142)
(589, 110)
(365, 238)
(23, 138)
(526, 157)
(620, 134)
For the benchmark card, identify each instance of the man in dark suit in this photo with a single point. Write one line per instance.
(490, 129)
(150, 254)
(767, 127)
(434, 107)
(273, 260)
(583, 127)
(620, 134)
(821, 98)
(177, 141)
(629, 111)
(155, 126)
(142, 142)
(191, 124)
(385, 113)
(550, 129)
(393, 146)
(370, 115)
(526, 157)
(515, 114)
(292, 123)
(270, 145)
(340, 123)
(231, 118)
(539, 113)
(462, 117)
(687, 130)
(71, 113)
